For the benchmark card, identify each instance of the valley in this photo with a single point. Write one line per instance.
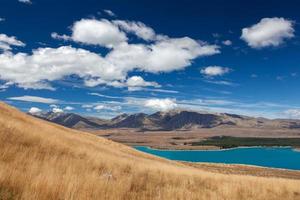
(181, 129)
(189, 139)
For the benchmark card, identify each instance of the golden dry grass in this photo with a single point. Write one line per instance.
(39, 160)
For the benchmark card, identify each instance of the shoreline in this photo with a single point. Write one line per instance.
(240, 165)
(243, 169)
(214, 148)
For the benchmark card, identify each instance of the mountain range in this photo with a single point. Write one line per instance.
(167, 121)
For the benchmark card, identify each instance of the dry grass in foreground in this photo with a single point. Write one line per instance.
(39, 160)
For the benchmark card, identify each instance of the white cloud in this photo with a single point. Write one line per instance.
(68, 108)
(48, 64)
(34, 99)
(44, 65)
(25, 1)
(6, 85)
(56, 36)
(163, 56)
(57, 110)
(102, 95)
(221, 82)
(2, 19)
(268, 32)
(133, 83)
(215, 70)
(137, 28)
(137, 81)
(34, 110)
(227, 42)
(97, 32)
(110, 13)
(293, 113)
(87, 106)
(6, 42)
(161, 104)
(101, 107)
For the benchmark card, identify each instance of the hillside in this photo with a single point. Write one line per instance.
(169, 121)
(41, 160)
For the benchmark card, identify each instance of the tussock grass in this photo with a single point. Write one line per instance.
(39, 160)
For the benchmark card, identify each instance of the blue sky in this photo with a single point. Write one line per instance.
(103, 58)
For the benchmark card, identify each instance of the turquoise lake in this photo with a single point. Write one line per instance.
(285, 158)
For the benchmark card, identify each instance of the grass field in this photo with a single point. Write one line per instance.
(230, 142)
(39, 160)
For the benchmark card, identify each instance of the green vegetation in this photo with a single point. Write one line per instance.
(230, 142)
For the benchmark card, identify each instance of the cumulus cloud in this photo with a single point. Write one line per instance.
(68, 108)
(163, 56)
(25, 1)
(6, 42)
(215, 71)
(49, 64)
(138, 28)
(101, 107)
(137, 81)
(34, 110)
(56, 36)
(268, 32)
(227, 42)
(109, 12)
(34, 99)
(293, 113)
(97, 32)
(161, 104)
(44, 65)
(57, 110)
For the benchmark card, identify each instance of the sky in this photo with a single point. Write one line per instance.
(104, 58)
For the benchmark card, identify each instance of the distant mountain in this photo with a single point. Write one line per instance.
(171, 120)
(71, 120)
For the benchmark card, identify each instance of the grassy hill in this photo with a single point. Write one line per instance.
(41, 160)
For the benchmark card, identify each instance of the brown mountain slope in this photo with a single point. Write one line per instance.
(40, 160)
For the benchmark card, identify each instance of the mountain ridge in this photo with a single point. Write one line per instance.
(167, 121)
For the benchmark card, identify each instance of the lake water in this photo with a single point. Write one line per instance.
(286, 158)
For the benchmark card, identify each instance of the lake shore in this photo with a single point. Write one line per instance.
(210, 148)
(238, 169)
